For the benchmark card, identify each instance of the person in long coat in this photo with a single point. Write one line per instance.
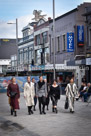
(29, 94)
(13, 88)
(41, 92)
(71, 93)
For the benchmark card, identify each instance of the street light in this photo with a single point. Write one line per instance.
(16, 40)
(54, 37)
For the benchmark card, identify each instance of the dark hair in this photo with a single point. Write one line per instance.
(33, 78)
(71, 77)
(12, 78)
(54, 81)
(40, 76)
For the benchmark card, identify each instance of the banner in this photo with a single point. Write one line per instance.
(4, 82)
(70, 42)
(80, 35)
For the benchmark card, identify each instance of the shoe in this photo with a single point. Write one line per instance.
(56, 110)
(44, 112)
(53, 109)
(40, 113)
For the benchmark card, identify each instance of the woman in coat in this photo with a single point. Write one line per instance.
(71, 92)
(41, 92)
(55, 95)
(14, 94)
(29, 94)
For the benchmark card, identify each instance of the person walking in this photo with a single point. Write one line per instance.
(55, 95)
(29, 95)
(71, 92)
(41, 92)
(35, 97)
(14, 94)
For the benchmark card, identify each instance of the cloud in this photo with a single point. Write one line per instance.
(9, 30)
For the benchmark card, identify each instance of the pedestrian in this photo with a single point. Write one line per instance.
(71, 92)
(41, 91)
(14, 94)
(88, 92)
(29, 95)
(55, 95)
(35, 97)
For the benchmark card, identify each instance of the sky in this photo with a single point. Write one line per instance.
(23, 10)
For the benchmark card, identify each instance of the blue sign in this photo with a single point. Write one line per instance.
(80, 35)
(70, 42)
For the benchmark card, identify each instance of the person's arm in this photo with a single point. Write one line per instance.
(58, 92)
(8, 91)
(37, 89)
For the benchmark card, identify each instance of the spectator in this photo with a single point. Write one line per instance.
(88, 93)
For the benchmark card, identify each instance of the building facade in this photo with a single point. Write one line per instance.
(26, 49)
(70, 37)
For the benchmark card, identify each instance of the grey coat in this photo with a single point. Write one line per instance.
(42, 91)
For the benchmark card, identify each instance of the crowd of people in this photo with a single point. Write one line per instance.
(43, 92)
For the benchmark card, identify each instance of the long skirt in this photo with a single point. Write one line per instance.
(14, 103)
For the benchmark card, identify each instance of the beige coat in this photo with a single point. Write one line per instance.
(29, 94)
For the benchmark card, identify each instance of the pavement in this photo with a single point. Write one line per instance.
(62, 124)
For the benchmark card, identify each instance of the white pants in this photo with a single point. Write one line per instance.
(71, 103)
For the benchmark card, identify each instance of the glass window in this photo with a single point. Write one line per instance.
(38, 39)
(64, 42)
(58, 44)
(45, 37)
(46, 55)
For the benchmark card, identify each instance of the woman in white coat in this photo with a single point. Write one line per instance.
(71, 92)
(29, 95)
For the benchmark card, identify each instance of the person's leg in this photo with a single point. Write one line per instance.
(44, 109)
(85, 96)
(70, 104)
(35, 102)
(30, 108)
(40, 104)
(55, 106)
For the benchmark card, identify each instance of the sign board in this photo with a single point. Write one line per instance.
(80, 35)
(70, 42)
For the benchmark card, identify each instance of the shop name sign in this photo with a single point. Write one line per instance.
(80, 35)
(70, 42)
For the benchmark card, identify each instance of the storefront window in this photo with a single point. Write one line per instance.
(46, 55)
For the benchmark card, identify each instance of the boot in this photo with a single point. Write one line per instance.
(12, 111)
(56, 110)
(44, 110)
(53, 109)
(34, 108)
(15, 113)
(29, 110)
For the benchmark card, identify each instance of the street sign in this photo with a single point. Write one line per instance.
(80, 35)
(70, 42)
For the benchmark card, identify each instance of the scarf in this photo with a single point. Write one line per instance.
(40, 84)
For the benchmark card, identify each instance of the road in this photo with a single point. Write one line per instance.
(62, 124)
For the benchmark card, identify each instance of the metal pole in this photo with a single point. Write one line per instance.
(17, 43)
(54, 36)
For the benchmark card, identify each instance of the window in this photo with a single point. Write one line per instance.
(64, 43)
(46, 55)
(58, 44)
(38, 39)
(45, 37)
(89, 36)
(26, 56)
(52, 45)
(38, 57)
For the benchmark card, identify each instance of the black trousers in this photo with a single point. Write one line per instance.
(41, 104)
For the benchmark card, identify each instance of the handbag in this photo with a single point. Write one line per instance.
(66, 103)
(43, 100)
(13, 94)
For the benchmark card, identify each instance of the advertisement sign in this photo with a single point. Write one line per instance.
(80, 35)
(70, 42)
(88, 61)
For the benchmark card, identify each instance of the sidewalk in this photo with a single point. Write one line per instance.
(51, 124)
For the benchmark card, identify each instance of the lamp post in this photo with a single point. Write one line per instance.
(16, 41)
(54, 38)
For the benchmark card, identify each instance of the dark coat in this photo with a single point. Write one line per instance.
(14, 100)
(55, 91)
